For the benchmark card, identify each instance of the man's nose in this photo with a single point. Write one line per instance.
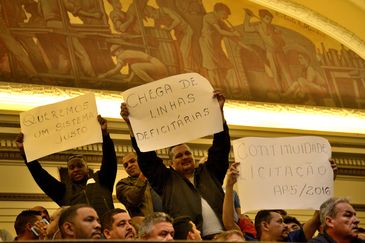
(169, 237)
(356, 220)
(97, 225)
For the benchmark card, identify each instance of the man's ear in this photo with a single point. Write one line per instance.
(170, 163)
(265, 226)
(68, 228)
(28, 226)
(106, 233)
(329, 222)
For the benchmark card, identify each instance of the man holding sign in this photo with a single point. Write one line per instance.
(95, 190)
(184, 189)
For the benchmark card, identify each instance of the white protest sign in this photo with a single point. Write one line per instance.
(57, 127)
(173, 110)
(283, 173)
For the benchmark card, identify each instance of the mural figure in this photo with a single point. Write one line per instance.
(121, 21)
(16, 49)
(219, 69)
(171, 20)
(273, 43)
(147, 68)
(310, 88)
(67, 43)
(87, 10)
(193, 12)
(53, 18)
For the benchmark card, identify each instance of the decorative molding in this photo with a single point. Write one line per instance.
(34, 197)
(317, 21)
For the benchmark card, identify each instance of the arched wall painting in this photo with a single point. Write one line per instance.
(250, 52)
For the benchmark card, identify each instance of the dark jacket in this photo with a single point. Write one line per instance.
(325, 238)
(138, 197)
(96, 192)
(179, 196)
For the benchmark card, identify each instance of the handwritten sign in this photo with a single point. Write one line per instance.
(57, 127)
(172, 110)
(288, 173)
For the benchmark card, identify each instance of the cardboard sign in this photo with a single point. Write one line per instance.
(173, 110)
(57, 127)
(283, 173)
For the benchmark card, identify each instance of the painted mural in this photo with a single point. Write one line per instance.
(250, 52)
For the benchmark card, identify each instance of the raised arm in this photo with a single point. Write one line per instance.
(313, 223)
(150, 164)
(108, 168)
(218, 153)
(49, 185)
(228, 205)
(247, 26)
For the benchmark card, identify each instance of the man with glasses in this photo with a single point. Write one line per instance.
(94, 189)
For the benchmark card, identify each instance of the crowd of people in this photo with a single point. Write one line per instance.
(184, 200)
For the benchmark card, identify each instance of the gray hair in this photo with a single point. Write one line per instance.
(147, 224)
(328, 209)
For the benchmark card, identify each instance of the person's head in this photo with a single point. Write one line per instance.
(265, 16)
(43, 211)
(130, 164)
(292, 223)
(157, 226)
(77, 168)
(53, 232)
(182, 160)
(185, 229)
(270, 226)
(230, 236)
(222, 10)
(338, 218)
(117, 224)
(79, 221)
(24, 222)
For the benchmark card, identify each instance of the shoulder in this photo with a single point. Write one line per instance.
(297, 236)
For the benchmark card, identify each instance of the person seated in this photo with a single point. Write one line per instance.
(43, 211)
(80, 221)
(339, 222)
(185, 229)
(134, 192)
(292, 223)
(28, 225)
(94, 189)
(230, 236)
(184, 189)
(53, 232)
(117, 224)
(157, 226)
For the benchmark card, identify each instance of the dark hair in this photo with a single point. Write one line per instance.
(24, 218)
(182, 226)
(262, 216)
(107, 219)
(223, 236)
(289, 219)
(68, 215)
(264, 12)
(222, 7)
